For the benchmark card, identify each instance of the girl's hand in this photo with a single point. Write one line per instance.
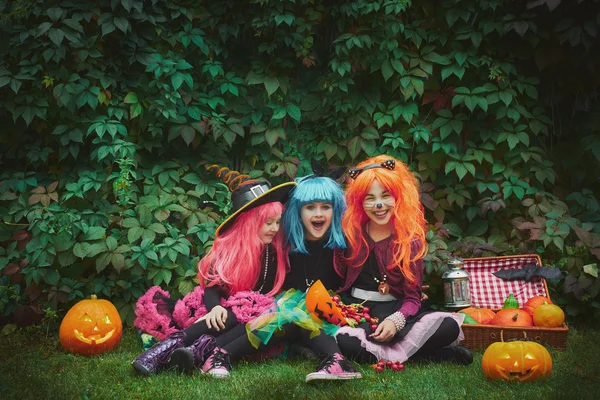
(385, 331)
(216, 318)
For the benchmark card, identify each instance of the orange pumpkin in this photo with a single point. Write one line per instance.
(512, 317)
(548, 316)
(516, 361)
(321, 306)
(481, 315)
(529, 310)
(534, 302)
(91, 327)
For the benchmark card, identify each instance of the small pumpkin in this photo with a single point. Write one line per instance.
(481, 315)
(548, 316)
(468, 319)
(516, 361)
(321, 307)
(510, 302)
(512, 317)
(534, 302)
(91, 327)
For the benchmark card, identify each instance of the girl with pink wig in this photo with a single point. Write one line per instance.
(239, 276)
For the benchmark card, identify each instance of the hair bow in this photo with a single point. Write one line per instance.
(387, 164)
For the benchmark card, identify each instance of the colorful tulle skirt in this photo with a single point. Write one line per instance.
(414, 339)
(290, 308)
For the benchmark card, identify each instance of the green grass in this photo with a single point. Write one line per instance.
(35, 367)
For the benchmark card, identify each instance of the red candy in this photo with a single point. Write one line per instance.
(383, 364)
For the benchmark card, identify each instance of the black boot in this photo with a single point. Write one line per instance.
(151, 361)
(193, 356)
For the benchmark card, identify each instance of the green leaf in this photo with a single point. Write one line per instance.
(386, 69)
(51, 276)
(279, 113)
(354, 147)
(81, 249)
(158, 228)
(121, 23)
(272, 135)
(177, 80)
(271, 84)
(145, 216)
(56, 35)
(294, 112)
(130, 223)
(131, 98)
(591, 269)
(111, 243)
(95, 233)
(134, 234)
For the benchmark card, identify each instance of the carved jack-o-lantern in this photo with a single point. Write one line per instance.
(321, 306)
(91, 327)
(519, 361)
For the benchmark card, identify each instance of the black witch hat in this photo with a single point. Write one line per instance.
(248, 193)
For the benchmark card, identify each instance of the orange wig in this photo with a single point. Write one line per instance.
(408, 219)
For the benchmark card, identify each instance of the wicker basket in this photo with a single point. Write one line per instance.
(480, 269)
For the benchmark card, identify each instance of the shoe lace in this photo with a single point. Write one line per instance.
(331, 360)
(221, 359)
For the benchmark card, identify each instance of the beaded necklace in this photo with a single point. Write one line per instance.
(266, 268)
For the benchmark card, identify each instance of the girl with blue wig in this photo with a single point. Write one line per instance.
(312, 224)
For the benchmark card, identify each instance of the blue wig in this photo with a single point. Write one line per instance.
(309, 190)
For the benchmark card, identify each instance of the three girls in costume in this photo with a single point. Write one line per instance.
(312, 225)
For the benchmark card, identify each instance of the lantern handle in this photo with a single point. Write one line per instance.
(502, 335)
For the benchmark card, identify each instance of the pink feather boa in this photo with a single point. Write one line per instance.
(248, 305)
(189, 309)
(245, 305)
(152, 316)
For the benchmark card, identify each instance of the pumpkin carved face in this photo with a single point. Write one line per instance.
(91, 327)
(516, 361)
(321, 306)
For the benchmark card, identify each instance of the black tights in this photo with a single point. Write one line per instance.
(198, 329)
(237, 344)
(443, 336)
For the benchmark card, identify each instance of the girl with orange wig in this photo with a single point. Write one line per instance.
(382, 267)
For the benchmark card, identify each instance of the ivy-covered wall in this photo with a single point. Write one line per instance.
(110, 111)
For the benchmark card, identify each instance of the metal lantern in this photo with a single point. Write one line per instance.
(456, 286)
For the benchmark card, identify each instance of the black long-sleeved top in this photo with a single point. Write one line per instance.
(213, 294)
(311, 267)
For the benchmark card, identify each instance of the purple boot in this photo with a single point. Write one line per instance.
(193, 356)
(151, 361)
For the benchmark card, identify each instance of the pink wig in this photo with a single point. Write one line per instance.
(235, 261)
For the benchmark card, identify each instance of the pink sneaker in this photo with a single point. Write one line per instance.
(334, 367)
(217, 364)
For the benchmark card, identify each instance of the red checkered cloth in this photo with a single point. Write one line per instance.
(488, 291)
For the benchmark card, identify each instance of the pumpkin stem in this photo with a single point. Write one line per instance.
(514, 318)
(94, 297)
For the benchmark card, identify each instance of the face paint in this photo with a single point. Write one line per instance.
(379, 204)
